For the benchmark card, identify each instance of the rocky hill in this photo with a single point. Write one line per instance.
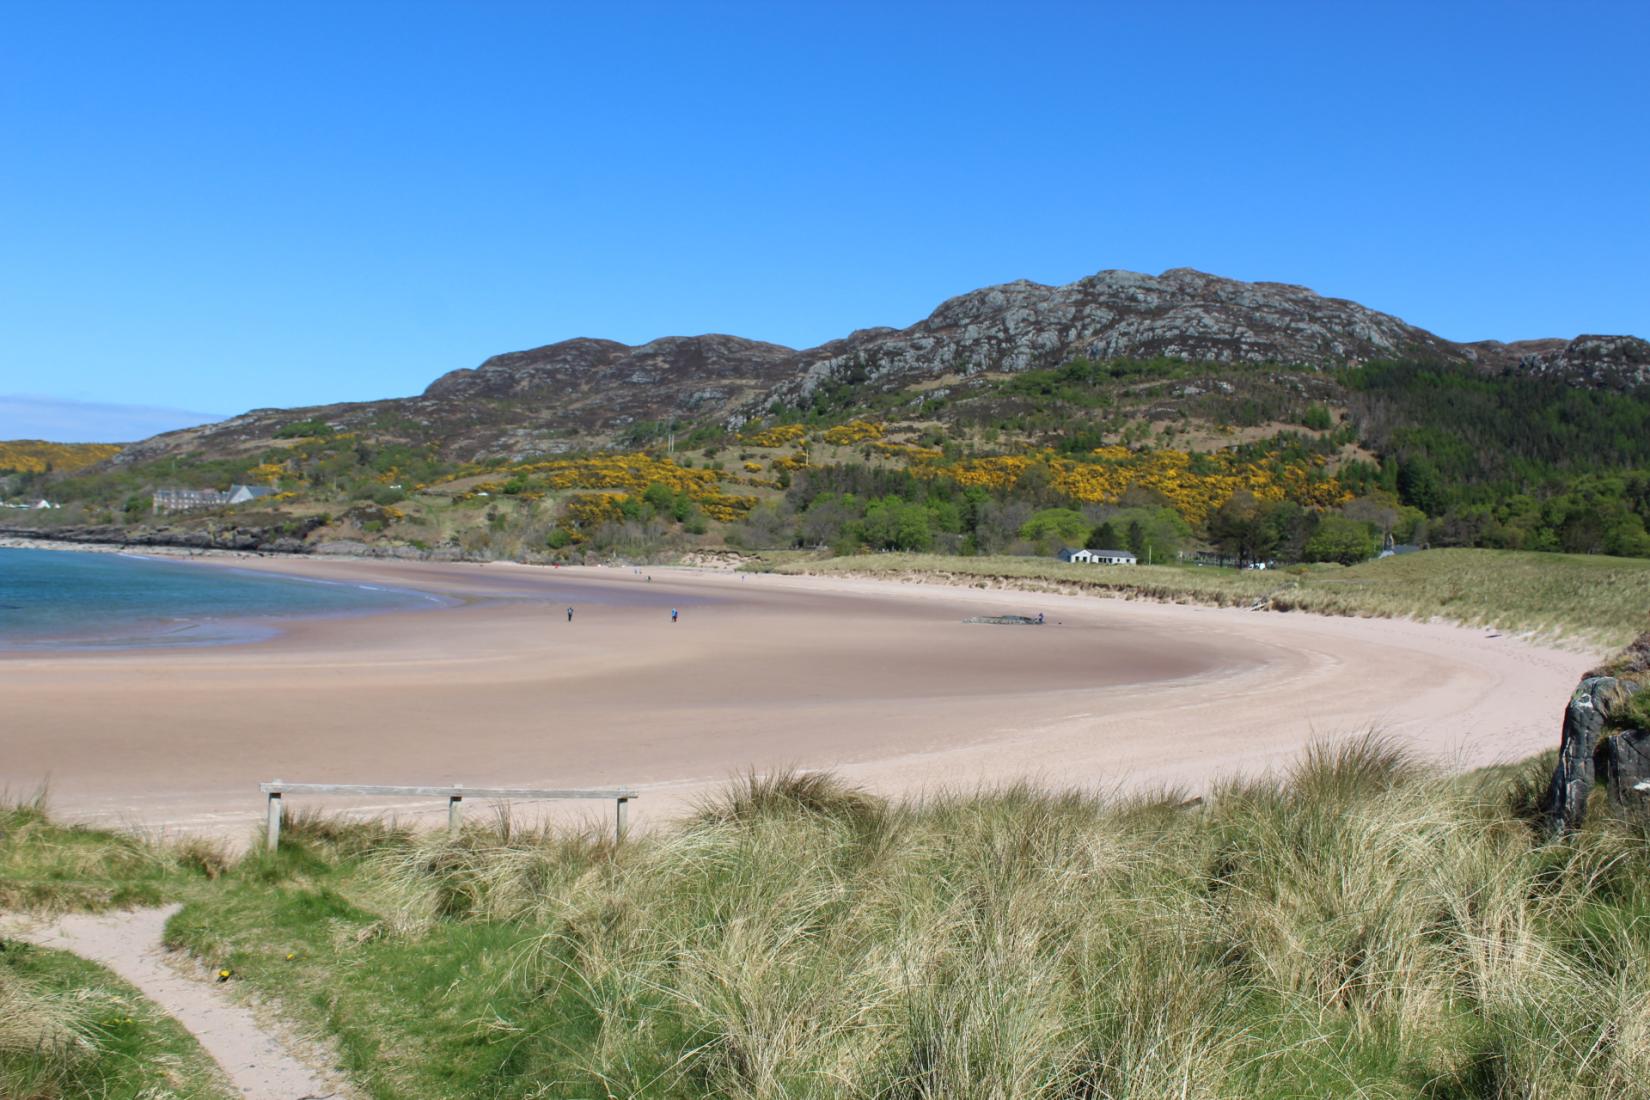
(591, 393)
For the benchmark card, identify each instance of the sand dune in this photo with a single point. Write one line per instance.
(881, 681)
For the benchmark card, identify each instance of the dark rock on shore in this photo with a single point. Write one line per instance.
(1599, 741)
(285, 538)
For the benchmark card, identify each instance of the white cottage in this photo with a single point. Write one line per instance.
(1099, 557)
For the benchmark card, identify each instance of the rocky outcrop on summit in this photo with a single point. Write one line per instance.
(698, 370)
(1181, 314)
(602, 384)
(1616, 361)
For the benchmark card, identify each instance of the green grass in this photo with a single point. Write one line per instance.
(1361, 926)
(47, 867)
(1595, 600)
(71, 1030)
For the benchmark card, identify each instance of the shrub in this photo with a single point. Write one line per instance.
(304, 429)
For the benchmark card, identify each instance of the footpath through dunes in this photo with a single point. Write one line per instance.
(880, 681)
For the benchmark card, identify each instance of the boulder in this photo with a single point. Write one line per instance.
(1590, 747)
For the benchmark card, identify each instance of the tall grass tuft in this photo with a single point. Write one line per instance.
(754, 796)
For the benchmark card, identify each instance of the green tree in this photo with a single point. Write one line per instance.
(1420, 485)
(1317, 418)
(1340, 539)
(895, 524)
(1103, 537)
(1241, 528)
(1062, 525)
(1137, 539)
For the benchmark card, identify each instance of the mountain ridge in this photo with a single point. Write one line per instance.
(591, 392)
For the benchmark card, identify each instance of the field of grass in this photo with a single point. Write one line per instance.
(1358, 927)
(1597, 600)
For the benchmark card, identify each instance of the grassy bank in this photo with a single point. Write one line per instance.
(70, 1029)
(1361, 926)
(1597, 600)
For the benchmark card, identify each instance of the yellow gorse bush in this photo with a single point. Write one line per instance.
(267, 472)
(910, 452)
(623, 475)
(855, 431)
(781, 435)
(1194, 493)
(27, 456)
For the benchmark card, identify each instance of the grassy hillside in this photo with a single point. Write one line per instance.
(1598, 600)
(1357, 927)
(1259, 461)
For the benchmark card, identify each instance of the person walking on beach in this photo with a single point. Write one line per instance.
(673, 614)
(569, 614)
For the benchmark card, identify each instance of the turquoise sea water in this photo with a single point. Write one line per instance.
(52, 599)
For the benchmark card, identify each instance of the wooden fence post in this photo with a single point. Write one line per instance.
(274, 830)
(619, 832)
(453, 801)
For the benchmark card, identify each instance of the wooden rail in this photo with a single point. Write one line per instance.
(454, 795)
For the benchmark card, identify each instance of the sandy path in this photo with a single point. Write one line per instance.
(129, 943)
(880, 681)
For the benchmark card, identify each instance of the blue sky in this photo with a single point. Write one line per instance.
(215, 207)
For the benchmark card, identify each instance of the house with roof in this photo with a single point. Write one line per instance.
(1099, 557)
(183, 500)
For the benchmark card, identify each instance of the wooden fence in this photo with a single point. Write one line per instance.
(454, 795)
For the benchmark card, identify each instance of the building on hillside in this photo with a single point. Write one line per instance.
(1099, 557)
(183, 500)
(43, 504)
(240, 494)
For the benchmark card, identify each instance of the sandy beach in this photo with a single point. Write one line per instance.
(881, 681)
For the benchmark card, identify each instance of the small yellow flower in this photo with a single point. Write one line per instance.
(223, 975)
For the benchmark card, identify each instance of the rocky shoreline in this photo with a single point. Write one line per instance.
(235, 542)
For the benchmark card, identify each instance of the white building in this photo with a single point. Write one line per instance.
(240, 494)
(1099, 557)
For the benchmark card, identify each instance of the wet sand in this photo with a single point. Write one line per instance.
(880, 681)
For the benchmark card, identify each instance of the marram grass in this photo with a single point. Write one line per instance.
(1361, 926)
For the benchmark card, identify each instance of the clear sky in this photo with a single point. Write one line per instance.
(208, 208)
